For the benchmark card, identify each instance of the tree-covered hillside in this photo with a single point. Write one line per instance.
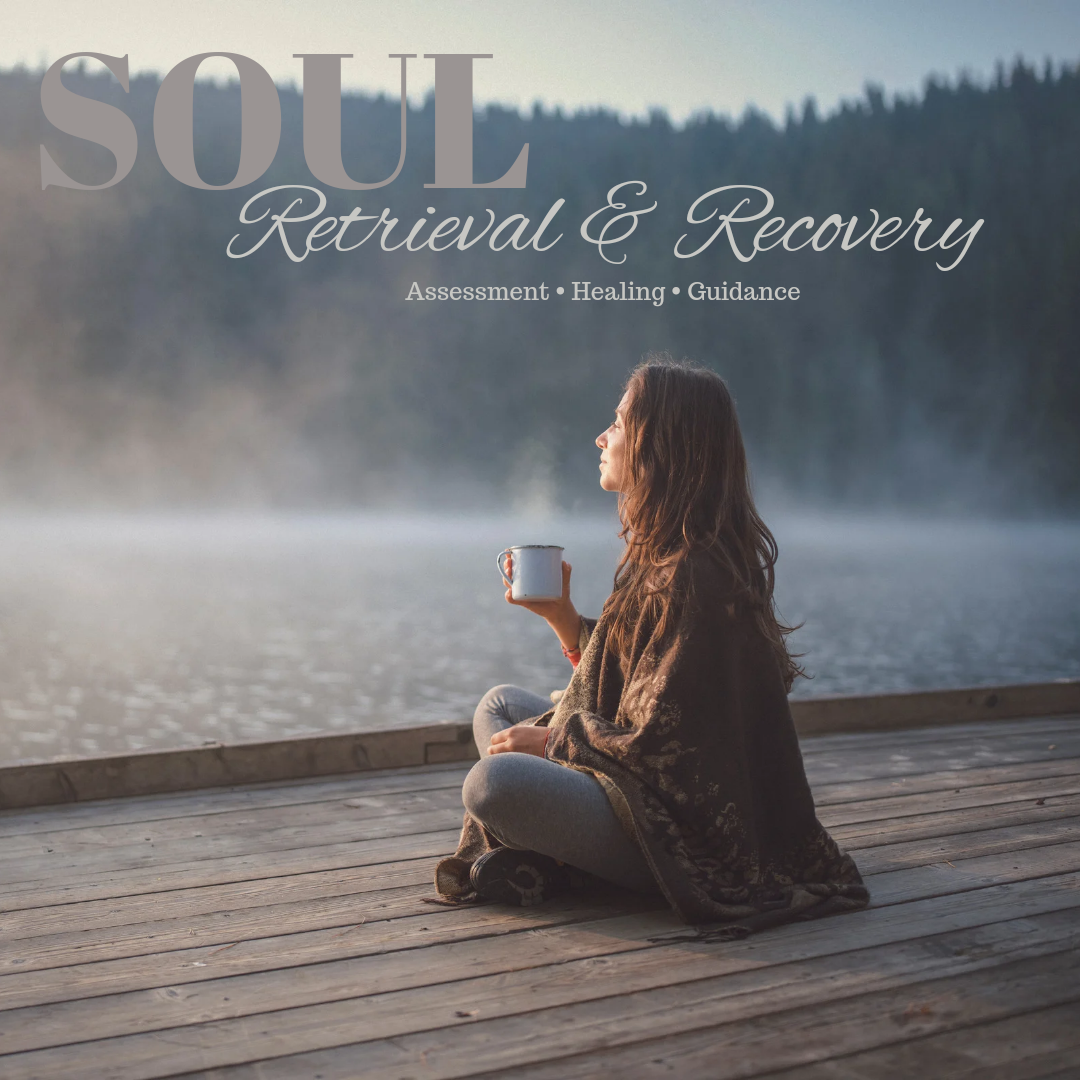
(140, 363)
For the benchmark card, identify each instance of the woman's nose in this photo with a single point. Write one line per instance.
(601, 440)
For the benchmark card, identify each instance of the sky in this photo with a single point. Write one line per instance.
(632, 55)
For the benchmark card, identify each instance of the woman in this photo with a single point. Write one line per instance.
(670, 763)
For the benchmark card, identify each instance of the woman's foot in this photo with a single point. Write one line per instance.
(522, 878)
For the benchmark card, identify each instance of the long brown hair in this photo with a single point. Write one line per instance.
(688, 488)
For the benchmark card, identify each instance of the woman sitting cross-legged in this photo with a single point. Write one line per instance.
(670, 764)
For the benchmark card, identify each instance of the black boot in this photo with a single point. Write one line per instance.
(522, 878)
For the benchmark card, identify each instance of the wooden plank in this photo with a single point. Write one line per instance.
(141, 808)
(212, 828)
(292, 851)
(840, 791)
(747, 1045)
(536, 957)
(52, 865)
(531, 978)
(888, 888)
(37, 856)
(37, 918)
(887, 765)
(869, 834)
(147, 772)
(271, 865)
(383, 945)
(141, 871)
(1038, 1071)
(367, 908)
(990, 819)
(997, 729)
(78, 780)
(137, 809)
(892, 807)
(943, 878)
(1043, 725)
(184, 902)
(66, 947)
(460, 933)
(46, 950)
(854, 763)
(872, 712)
(96, 919)
(328, 819)
(1033, 1046)
(939, 849)
(540, 1013)
(870, 859)
(244, 896)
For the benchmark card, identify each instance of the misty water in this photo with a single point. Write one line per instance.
(124, 633)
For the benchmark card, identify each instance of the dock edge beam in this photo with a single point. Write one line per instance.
(67, 780)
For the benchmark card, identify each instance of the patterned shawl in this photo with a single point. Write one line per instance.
(693, 742)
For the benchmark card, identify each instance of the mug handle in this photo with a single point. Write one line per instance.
(502, 569)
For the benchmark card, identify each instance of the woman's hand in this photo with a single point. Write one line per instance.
(560, 614)
(519, 739)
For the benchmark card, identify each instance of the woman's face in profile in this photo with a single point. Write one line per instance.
(612, 445)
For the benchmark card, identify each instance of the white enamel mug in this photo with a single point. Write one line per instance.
(537, 571)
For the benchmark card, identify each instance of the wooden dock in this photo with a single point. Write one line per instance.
(278, 931)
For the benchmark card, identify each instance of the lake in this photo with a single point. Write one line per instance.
(133, 632)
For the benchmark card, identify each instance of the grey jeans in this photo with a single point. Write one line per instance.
(534, 804)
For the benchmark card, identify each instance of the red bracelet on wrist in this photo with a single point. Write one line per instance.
(573, 655)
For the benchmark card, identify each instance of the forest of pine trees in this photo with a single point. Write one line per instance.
(140, 364)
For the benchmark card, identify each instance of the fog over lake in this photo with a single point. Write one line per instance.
(133, 632)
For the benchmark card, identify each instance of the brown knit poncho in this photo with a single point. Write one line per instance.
(692, 739)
